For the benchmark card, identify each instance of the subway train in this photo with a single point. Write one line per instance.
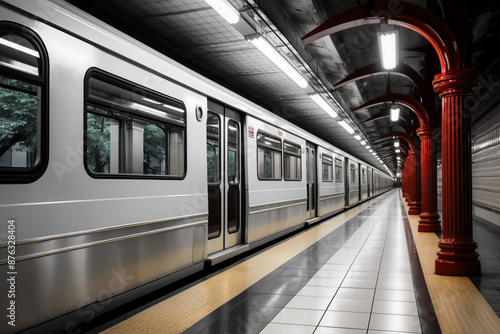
(122, 171)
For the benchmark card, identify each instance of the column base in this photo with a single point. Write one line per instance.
(429, 222)
(415, 208)
(457, 258)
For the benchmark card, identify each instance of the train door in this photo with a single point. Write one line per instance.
(312, 180)
(369, 182)
(224, 176)
(347, 178)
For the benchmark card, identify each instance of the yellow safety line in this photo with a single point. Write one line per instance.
(183, 310)
(459, 306)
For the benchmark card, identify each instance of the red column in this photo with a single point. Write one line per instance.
(415, 192)
(457, 255)
(429, 218)
(407, 179)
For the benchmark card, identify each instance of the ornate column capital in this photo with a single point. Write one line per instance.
(455, 82)
(425, 132)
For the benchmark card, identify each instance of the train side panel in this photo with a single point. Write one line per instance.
(77, 233)
(352, 177)
(363, 183)
(275, 205)
(331, 182)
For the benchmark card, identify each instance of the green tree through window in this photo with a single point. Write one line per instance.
(18, 122)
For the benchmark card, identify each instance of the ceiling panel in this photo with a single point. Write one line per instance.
(194, 34)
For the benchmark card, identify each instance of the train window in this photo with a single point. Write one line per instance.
(353, 173)
(23, 105)
(268, 157)
(338, 170)
(292, 161)
(327, 163)
(233, 152)
(131, 130)
(213, 174)
(213, 148)
(363, 175)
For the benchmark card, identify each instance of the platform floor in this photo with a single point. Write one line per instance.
(358, 272)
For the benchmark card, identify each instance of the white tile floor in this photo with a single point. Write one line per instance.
(366, 287)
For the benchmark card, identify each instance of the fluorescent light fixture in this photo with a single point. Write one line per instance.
(19, 47)
(396, 144)
(374, 153)
(363, 143)
(150, 100)
(388, 46)
(323, 104)
(398, 150)
(279, 61)
(358, 137)
(148, 110)
(394, 113)
(346, 126)
(370, 150)
(225, 9)
(367, 147)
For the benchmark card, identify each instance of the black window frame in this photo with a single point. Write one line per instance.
(326, 159)
(352, 171)
(341, 166)
(293, 154)
(20, 175)
(218, 161)
(121, 82)
(272, 148)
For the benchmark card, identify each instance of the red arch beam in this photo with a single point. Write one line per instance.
(407, 15)
(403, 99)
(403, 70)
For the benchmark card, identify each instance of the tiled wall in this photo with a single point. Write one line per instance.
(486, 166)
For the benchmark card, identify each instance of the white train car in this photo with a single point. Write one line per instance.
(127, 171)
(352, 182)
(363, 183)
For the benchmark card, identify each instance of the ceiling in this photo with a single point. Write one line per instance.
(194, 34)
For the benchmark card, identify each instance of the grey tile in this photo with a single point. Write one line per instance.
(359, 283)
(298, 272)
(341, 260)
(273, 328)
(345, 319)
(335, 267)
(390, 322)
(324, 281)
(405, 277)
(395, 268)
(320, 291)
(387, 332)
(351, 293)
(298, 317)
(271, 300)
(309, 302)
(396, 295)
(395, 307)
(351, 305)
(332, 330)
(330, 274)
(362, 275)
(362, 267)
(394, 285)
